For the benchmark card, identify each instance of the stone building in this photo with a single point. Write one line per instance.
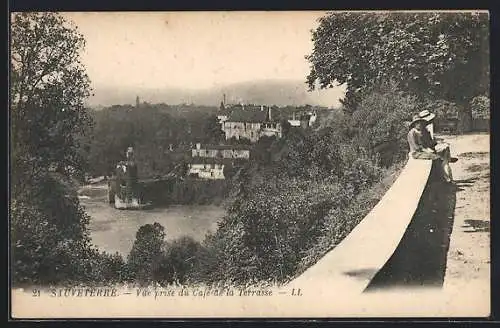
(251, 123)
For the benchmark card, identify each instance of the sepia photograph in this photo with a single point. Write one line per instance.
(249, 164)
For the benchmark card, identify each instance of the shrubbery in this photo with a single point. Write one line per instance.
(264, 235)
(181, 257)
(109, 268)
(50, 242)
(48, 232)
(152, 259)
(146, 254)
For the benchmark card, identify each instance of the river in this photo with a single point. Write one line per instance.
(114, 230)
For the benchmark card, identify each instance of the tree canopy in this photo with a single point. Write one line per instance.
(432, 55)
(48, 88)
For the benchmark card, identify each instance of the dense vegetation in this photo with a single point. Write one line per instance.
(185, 191)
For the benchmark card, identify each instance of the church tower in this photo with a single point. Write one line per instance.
(223, 103)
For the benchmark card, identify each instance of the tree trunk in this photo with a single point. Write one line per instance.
(464, 120)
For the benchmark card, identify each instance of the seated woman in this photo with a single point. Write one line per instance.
(442, 148)
(423, 146)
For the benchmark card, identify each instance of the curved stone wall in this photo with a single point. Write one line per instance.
(352, 264)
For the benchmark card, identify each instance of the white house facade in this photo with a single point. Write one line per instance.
(211, 171)
(221, 151)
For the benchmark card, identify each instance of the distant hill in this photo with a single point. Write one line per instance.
(276, 92)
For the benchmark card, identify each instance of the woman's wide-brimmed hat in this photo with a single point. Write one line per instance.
(415, 120)
(426, 115)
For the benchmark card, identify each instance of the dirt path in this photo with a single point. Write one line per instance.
(468, 260)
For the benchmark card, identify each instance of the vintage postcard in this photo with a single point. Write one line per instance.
(301, 164)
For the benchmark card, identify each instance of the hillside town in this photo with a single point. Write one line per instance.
(239, 123)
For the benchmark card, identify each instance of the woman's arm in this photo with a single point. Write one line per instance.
(414, 142)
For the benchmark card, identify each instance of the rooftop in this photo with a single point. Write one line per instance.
(224, 112)
(247, 115)
(254, 115)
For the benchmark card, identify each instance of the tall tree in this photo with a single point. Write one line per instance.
(49, 238)
(436, 55)
(48, 89)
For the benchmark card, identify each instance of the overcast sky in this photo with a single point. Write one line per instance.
(194, 50)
